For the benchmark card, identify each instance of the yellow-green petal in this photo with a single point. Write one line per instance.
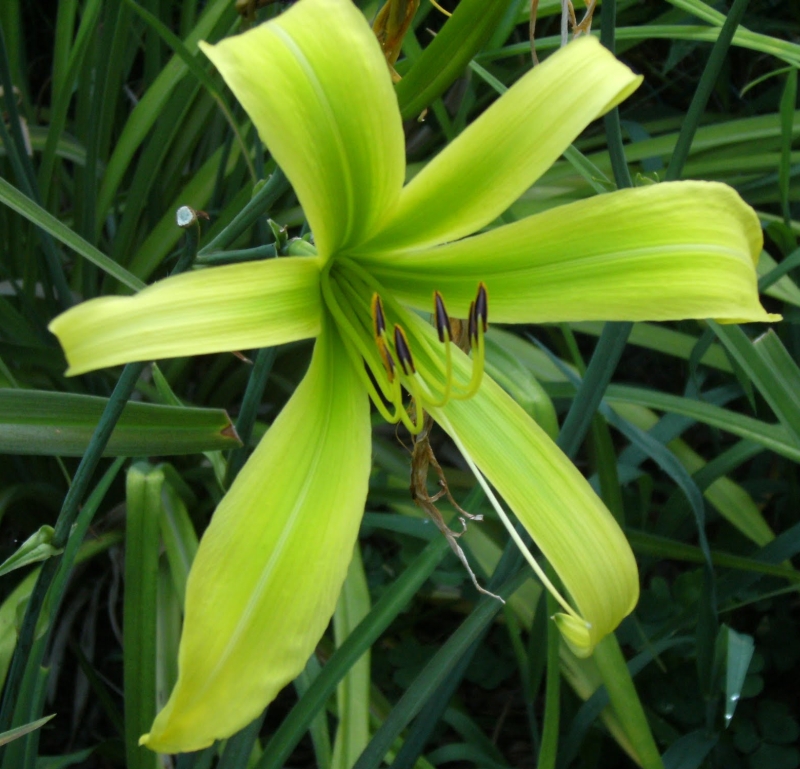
(237, 307)
(316, 85)
(552, 500)
(475, 178)
(270, 566)
(662, 252)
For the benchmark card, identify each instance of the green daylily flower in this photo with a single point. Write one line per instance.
(266, 578)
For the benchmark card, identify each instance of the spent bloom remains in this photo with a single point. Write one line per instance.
(270, 566)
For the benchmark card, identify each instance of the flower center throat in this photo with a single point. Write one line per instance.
(392, 353)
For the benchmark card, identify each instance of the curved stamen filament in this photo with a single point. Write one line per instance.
(431, 382)
(507, 523)
(360, 352)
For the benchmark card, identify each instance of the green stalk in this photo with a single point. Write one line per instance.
(700, 99)
(272, 189)
(593, 386)
(548, 751)
(247, 414)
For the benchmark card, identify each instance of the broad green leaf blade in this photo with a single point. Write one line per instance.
(474, 179)
(62, 424)
(446, 57)
(236, 307)
(24, 206)
(142, 542)
(553, 501)
(267, 575)
(316, 85)
(667, 251)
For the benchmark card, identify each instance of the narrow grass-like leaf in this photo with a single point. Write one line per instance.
(179, 536)
(143, 512)
(690, 751)
(35, 548)
(772, 370)
(774, 437)
(622, 694)
(594, 705)
(645, 543)
(256, 383)
(788, 103)
(64, 76)
(318, 728)
(784, 50)
(62, 424)
(611, 121)
(19, 731)
(177, 45)
(150, 105)
(352, 694)
(69, 522)
(26, 207)
(265, 194)
(773, 280)
(435, 673)
(165, 235)
(548, 750)
(447, 56)
(740, 647)
(239, 748)
(704, 88)
(593, 385)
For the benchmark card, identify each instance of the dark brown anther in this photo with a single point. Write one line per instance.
(472, 324)
(482, 307)
(442, 318)
(378, 318)
(403, 351)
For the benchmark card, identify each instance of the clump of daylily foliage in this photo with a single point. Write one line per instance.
(391, 267)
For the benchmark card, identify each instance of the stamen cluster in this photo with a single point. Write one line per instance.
(387, 365)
